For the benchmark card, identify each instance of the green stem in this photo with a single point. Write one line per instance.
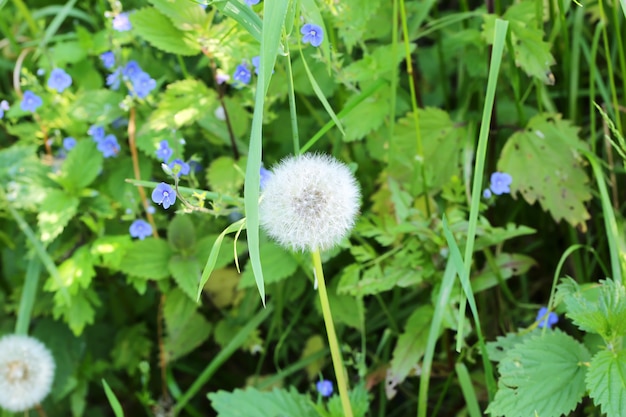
(335, 353)
(21, 6)
(292, 104)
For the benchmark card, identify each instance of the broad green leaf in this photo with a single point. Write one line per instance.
(499, 348)
(97, 106)
(225, 175)
(278, 264)
(186, 272)
(545, 166)
(491, 236)
(110, 250)
(368, 115)
(132, 345)
(222, 289)
(186, 329)
(76, 272)
(508, 265)
(380, 63)
(161, 33)
(181, 233)
(411, 344)
(358, 399)
(148, 259)
(81, 167)
(184, 14)
(65, 53)
(254, 403)
(183, 103)
(352, 18)
(597, 308)
(79, 311)
(57, 209)
(606, 381)
(543, 376)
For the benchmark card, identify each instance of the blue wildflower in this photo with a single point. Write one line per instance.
(150, 209)
(500, 183)
(312, 34)
(179, 167)
(31, 101)
(256, 63)
(114, 79)
(108, 59)
(140, 229)
(252, 2)
(59, 80)
(549, 320)
(164, 194)
(121, 23)
(96, 132)
(487, 193)
(4, 106)
(242, 74)
(164, 153)
(143, 84)
(324, 387)
(221, 77)
(132, 70)
(69, 143)
(265, 176)
(109, 146)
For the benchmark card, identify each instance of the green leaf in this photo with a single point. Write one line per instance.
(225, 175)
(507, 265)
(79, 311)
(57, 209)
(147, 259)
(242, 14)
(183, 103)
(113, 401)
(65, 53)
(380, 63)
(411, 344)
(499, 348)
(278, 264)
(186, 273)
(101, 106)
(132, 345)
(254, 403)
(161, 33)
(352, 18)
(368, 115)
(186, 329)
(110, 250)
(76, 272)
(597, 308)
(544, 376)
(606, 381)
(545, 166)
(184, 14)
(81, 167)
(181, 233)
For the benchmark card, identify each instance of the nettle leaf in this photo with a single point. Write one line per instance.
(411, 344)
(186, 272)
(79, 312)
(57, 209)
(368, 115)
(186, 329)
(380, 63)
(161, 33)
(97, 106)
(545, 166)
(181, 233)
(352, 18)
(254, 403)
(531, 53)
(606, 381)
(132, 345)
(108, 251)
(597, 308)
(76, 173)
(183, 103)
(148, 259)
(277, 263)
(225, 175)
(543, 376)
(184, 14)
(499, 348)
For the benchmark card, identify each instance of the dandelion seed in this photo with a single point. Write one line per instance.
(312, 34)
(140, 229)
(30, 101)
(548, 320)
(310, 202)
(324, 387)
(26, 372)
(164, 194)
(500, 183)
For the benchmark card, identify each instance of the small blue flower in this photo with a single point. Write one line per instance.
(179, 167)
(242, 74)
(121, 23)
(31, 101)
(164, 153)
(487, 193)
(4, 106)
(108, 59)
(164, 194)
(109, 146)
(500, 183)
(265, 176)
(143, 84)
(69, 143)
(324, 387)
(150, 209)
(221, 77)
(96, 132)
(256, 62)
(252, 2)
(549, 321)
(312, 34)
(59, 80)
(132, 70)
(140, 229)
(114, 79)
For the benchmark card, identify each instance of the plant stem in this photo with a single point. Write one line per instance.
(332, 336)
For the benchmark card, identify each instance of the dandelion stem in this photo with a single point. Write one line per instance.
(335, 353)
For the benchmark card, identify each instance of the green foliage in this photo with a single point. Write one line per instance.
(75, 173)
(277, 263)
(254, 403)
(147, 259)
(161, 33)
(606, 381)
(411, 344)
(57, 209)
(183, 103)
(185, 327)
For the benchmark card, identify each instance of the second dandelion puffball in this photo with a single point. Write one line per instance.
(310, 202)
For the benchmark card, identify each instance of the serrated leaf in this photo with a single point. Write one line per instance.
(132, 345)
(411, 344)
(57, 209)
(147, 259)
(277, 263)
(110, 250)
(186, 272)
(225, 175)
(507, 265)
(368, 115)
(352, 18)
(606, 381)
(183, 103)
(81, 167)
(254, 403)
(598, 308)
(544, 376)
(75, 272)
(186, 329)
(380, 63)
(181, 233)
(78, 311)
(545, 166)
(184, 14)
(101, 106)
(498, 349)
(161, 33)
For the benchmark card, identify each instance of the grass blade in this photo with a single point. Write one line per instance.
(113, 401)
(29, 292)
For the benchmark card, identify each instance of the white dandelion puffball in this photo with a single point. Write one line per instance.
(26, 372)
(310, 202)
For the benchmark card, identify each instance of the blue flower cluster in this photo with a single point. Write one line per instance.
(164, 152)
(69, 143)
(500, 183)
(141, 82)
(107, 144)
(547, 320)
(59, 80)
(140, 229)
(30, 101)
(324, 387)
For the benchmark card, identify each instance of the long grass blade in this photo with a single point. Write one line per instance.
(29, 293)
(113, 401)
